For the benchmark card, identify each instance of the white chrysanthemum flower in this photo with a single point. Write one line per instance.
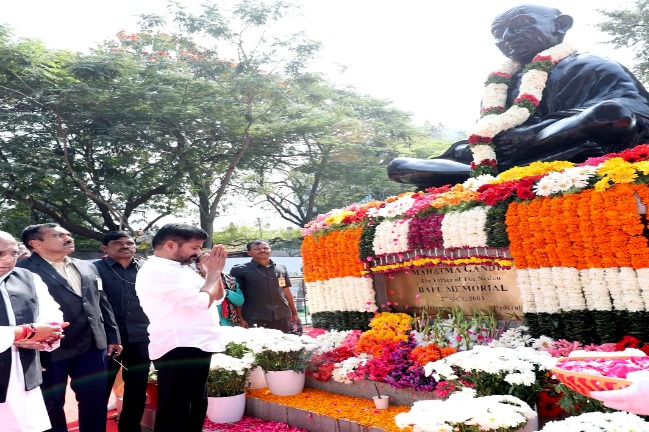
(599, 422)
(542, 343)
(475, 182)
(463, 408)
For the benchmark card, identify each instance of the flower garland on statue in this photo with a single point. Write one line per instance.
(493, 116)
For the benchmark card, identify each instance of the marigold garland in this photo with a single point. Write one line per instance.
(332, 255)
(586, 230)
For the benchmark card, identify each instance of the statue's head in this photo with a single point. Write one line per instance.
(526, 30)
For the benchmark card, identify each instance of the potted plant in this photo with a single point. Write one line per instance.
(283, 357)
(464, 412)
(256, 378)
(226, 385)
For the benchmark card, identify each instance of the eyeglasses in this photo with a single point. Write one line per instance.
(10, 253)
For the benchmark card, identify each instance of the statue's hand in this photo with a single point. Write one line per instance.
(510, 141)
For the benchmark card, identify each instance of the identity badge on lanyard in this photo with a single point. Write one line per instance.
(282, 282)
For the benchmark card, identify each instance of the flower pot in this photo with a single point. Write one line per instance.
(152, 392)
(285, 383)
(381, 402)
(256, 379)
(227, 409)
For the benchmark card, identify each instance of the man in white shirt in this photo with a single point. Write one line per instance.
(30, 320)
(184, 322)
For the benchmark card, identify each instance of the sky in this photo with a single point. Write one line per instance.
(429, 57)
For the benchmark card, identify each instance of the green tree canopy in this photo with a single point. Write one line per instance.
(630, 28)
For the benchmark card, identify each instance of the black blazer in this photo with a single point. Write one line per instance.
(92, 323)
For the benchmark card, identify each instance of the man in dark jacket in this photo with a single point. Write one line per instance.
(267, 289)
(118, 270)
(92, 334)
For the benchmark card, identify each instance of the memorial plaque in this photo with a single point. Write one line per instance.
(471, 287)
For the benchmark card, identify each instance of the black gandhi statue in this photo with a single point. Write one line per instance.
(547, 103)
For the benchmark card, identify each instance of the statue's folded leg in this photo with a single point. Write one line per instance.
(428, 172)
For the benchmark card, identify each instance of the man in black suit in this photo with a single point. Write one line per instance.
(118, 270)
(92, 334)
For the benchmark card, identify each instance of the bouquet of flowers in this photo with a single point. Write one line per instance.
(464, 412)
(520, 372)
(598, 421)
(228, 375)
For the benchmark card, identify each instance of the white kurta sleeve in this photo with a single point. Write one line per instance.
(6, 338)
(48, 308)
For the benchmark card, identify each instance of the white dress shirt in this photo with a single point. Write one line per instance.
(179, 314)
(24, 411)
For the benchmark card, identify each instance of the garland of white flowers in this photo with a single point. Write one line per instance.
(493, 116)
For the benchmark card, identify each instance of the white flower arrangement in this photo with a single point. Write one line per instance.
(342, 294)
(550, 289)
(596, 292)
(571, 292)
(631, 294)
(465, 228)
(331, 340)
(643, 283)
(574, 178)
(490, 370)
(391, 237)
(524, 283)
(482, 152)
(228, 375)
(274, 350)
(599, 422)
(513, 337)
(494, 360)
(495, 95)
(240, 366)
(464, 411)
(341, 370)
(533, 82)
(474, 183)
(395, 208)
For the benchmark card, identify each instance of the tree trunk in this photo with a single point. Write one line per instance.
(205, 217)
